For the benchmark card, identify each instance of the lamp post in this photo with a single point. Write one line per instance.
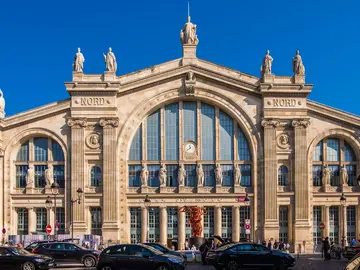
(343, 203)
(79, 191)
(147, 203)
(247, 203)
(48, 203)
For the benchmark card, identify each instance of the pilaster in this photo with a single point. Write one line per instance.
(217, 220)
(181, 230)
(31, 220)
(343, 223)
(290, 223)
(236, 223)
(144, 224)
(77, 169)
(163, 225)
(110, 227)
(326, 210)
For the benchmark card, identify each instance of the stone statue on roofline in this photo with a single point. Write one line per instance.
(297, 64)
(79, 59)
(266, 67)
(110, 61)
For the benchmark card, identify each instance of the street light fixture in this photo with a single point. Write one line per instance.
(55, 187)
(343, 199)
(48, 203)
(247, 200)
(247, 203)
(79, 192)
(147, 203)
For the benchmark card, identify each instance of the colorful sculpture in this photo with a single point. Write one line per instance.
(195, 213)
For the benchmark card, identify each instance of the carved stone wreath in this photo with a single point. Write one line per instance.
(93, 140)
(283, 140)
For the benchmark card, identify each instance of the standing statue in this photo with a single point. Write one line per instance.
(326, 176)
(162, 176)
(266, 64)
(218, 175)
(79, 60)
(110, 61)
(237, 175)
(49, 176)
(200, 175)
(2, 105)
(188, 34)
(181, 175)
(344, 177)
(144, 175)
(195, 213)
(30, 177)
(297, 63)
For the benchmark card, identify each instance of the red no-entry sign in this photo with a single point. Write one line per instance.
(48, 229)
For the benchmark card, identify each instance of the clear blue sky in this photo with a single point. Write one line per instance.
(39, 39)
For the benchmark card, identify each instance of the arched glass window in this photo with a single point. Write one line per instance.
(283, 176)
(96, 176)
(44, 151)
(211, 135)
(328, 152)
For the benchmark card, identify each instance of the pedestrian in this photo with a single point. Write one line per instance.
(326, 249)
(264, 243)
(20, 245)
(187, 245)
(276, 245)
(269, 244)
(353, 242)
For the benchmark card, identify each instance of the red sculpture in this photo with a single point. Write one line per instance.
(195, 218)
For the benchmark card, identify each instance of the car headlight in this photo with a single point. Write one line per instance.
(39, 260)
(173, 260)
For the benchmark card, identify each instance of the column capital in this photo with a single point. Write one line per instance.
(270, 123)
(74, 122)
(236, 207)
(109, 122)
(300, 123)
(163, 207)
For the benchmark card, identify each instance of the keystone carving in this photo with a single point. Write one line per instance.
(301, 123)
(270, 123)
(190, 82)
(77, 122)
(104, 122)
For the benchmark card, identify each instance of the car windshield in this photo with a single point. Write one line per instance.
(159, 247)
(20, 251)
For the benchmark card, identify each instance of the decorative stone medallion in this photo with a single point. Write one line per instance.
(283, 140)
(93, 140)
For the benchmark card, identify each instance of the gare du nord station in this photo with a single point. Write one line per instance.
(187, 132)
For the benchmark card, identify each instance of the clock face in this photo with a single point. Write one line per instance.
(189, 148)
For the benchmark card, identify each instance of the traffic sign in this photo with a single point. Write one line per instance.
(247, 221)
(321, 225)
(3, 230)
(48, 229)
(247, 226)
(247, 231)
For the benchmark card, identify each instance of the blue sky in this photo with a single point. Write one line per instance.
(39, 39)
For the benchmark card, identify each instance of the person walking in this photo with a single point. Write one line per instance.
(326, 249)
(353, 242)
(269, 244)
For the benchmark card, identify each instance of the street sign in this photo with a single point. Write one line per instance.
(48, 229)
(247, 231)
(321, 225)
(247, 221)
(3, 231)
(247, 226)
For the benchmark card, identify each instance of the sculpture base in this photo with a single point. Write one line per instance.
(345, 188)
(196, 241)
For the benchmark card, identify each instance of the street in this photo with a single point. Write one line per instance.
(305, 262)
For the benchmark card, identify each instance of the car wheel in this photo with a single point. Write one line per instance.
(162, 267)
(28, 266)
(89, 262)
(232, 265)
(283, 265)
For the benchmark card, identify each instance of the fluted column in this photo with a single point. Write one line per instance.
(110, 203)
(31, 220)
(163, 225)
(181, 230)
(77, 170)
(144, 224)
(236, 223)
(301, 183)
(217, 220)
(271, 224)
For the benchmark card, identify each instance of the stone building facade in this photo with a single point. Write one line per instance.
(251, 136)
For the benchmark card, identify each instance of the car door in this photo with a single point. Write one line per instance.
(242, 254)
(263, 256)
(6, 261)
(140, 258)
(119, 257)
(72, 253)
(57, 251)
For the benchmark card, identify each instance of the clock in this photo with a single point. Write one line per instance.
(189, 147)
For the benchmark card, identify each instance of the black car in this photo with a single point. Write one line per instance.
(248, 255)
(67, 253)
(166, 250)
(138, 256)
(354, 263)
(35, 244)
(20, 259)
(350, 252)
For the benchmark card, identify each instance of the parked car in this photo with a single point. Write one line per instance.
(166, 250)
(68, 253)
(248, 255)
(138, 256)
(35, 244)
(350, 252)
(354, 263)
(20, 259)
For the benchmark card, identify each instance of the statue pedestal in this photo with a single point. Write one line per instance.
(48, 190)
(196, 241)
(183, 189)
(202, 189)
(345, 188)
(144, 189)
(109, 76)
(77, 76)
(299, 79)
(189, 54)
(328, 188)
(239, 189)
(29, 190)
(222, 189)
(268, 78)
(167, 189)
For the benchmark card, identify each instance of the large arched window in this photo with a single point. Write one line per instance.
(163, 135)
(95, 176)
(334, 153)
(38, 153)
(283, 176)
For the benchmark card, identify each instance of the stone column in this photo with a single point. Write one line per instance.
(357, 215)
(326, 214)
(301, 184)
(163, 225)
(217, 220)
(271, 223)
(77, 170)
(236, 223)
(110, 228)
(181, 230)
(51, 218)
(31, 220)
(290, 224)
(343, 223)
(144, 224)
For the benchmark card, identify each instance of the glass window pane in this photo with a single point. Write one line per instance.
(134, 175)
(243, 146)
(317, 175)
(333, 153)
(154, 221)
(153, 136)
(208, 132)
(172, 132)
(209, 175)
(190, 175)
(190, 121)
(245, 175)
(41, 219)
(349, 154)
(171, 175)
(226, 137)
(57, 152)
(153, 175)
(96, 221)
(136, 146)
(96, 176)
(244, 214)
(209, 222)
(40, 176)
(135, 224)
(283, 176)
(23, 153)
(351, 170)
(334, 224)
(318, 152)
(21, 171)
(41, 149)
(226, 222)
(227, 172)
(335, 176)
(59, 175)
(23, 221)
(172, 220)
(60, 217)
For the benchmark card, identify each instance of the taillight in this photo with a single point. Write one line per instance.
(35, 251)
